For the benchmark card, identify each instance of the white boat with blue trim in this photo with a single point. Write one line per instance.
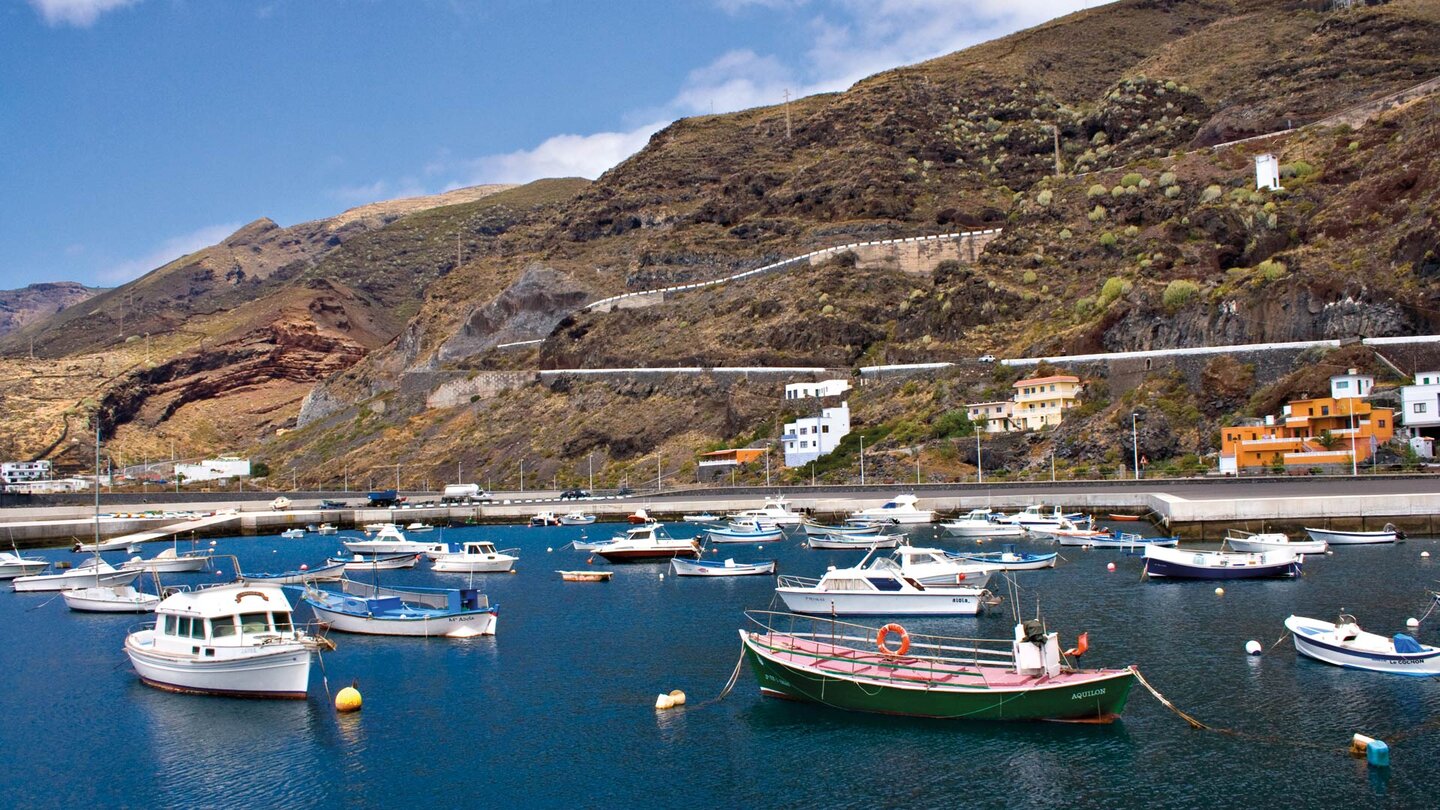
(1344, 644)
(424, 612)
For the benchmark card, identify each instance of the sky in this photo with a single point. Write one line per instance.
(135, 131)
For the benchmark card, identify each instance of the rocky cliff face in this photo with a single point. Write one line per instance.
(33, 304)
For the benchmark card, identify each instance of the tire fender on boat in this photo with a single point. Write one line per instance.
(884, 634)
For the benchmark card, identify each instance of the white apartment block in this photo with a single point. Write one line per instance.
(811, 437)
(826, 388)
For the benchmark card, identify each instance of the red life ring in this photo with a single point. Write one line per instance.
(885, 633)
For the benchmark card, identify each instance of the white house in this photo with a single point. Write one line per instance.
(811, 437)
(213, 469)
(995, 416)
(13, 472)
(1421, 401)
(1267, 172)
(1351, 384)
(826, 388)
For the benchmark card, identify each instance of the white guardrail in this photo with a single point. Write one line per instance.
(785, 263)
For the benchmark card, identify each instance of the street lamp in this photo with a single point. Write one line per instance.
(1354, 469)
(979, 465)
(1135, 443)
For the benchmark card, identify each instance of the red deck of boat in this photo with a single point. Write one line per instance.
(802, 652)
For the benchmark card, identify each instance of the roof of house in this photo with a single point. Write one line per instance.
(1054, 379)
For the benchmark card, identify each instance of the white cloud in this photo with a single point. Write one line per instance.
(561, 156)
(79, 13)
(166, 252)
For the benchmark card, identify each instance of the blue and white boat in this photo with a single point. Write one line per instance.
(1009, 559)
(745, 531)
(427, 612)
(725, 568)
(814, 529)
(1183, 564)
(1344, 644)
(1128, 541)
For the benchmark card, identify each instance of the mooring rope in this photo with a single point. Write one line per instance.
(729, 684)
(1282, 637)
(1197, 724)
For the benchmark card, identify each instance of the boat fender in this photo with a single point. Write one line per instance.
(884, 634)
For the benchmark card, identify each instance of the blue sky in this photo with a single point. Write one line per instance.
(134, 131)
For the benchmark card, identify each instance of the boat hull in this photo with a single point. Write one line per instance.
(1115, 542)
(938, 602)
(1337, 538)
(1304, 631)
(1166, 568)
(691, 568)
(453, 566)
(173, 566)
(864, 543)
(1040, 561)
(461, 625)
(110, 600)
(1293, 546)
(645, 555)
(52, 582)
(25, 569)
(282, 672)
(1098, 699)
(719, 536)
(987, 530)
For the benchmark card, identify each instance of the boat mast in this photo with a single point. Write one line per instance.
(97, 483)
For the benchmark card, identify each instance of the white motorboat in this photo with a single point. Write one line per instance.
(1338, 538)
(434, 550)
(814, 529)
(389, 540)
(1344, 644)
(1128, 541)
(327, 528)
(901, 509)
(235, 639)
(94, 572)
(934, 568)
(648, 542)
(545, 519)
(293, 534)
(701, 517)
(586, 544)
(576, 518)
(1241, 540)
(168, 561)
(13, 565)
(1188, 564)
(728, 568)
(981, 523)
(1038, 515)
(476, 557)
(376, 562)
(417, 526)
(746, 530)
(111, 599)
(877, 590)
(775, 510)
(863, 542)
(1009, 559)
(324, 573)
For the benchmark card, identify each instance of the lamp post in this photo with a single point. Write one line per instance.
(979, 465)
(862, 460)
(591, 463)
(1135, 443)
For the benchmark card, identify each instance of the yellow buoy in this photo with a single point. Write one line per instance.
(677, 697)
(664, 702)
(1219, 591)
(347, 700)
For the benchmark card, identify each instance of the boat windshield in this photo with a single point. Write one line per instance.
(221, 627)
(254, 622)
(282, 622)
(884, 564)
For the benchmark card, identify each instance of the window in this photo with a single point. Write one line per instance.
(1419, 407)
(221, 627)
(1052, 386)
(1342, 384)
(254, 622)
(167, 625)
(825, 429)
(1381, 422)
(282, 622)
(1324, 410)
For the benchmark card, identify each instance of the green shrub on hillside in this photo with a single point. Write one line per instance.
(1107, 239)
(1131, 179)
(1097, 190)
(1178, 293)
(1167, 179)
(1096, 214)
(1211, 193)
(1271, 270)
(1113, 288)
(1044, 197)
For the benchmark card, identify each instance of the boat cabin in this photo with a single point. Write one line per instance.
(243, 614)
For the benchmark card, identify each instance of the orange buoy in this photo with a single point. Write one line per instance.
(885, 633)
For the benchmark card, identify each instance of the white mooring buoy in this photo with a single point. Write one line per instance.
(1252, 647)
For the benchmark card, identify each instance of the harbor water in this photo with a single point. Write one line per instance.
(558, 708)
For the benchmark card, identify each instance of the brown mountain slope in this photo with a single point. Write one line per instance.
(36, 302)
(966, 140)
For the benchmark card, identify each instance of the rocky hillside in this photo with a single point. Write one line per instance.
(1146, 237)
(32, 304)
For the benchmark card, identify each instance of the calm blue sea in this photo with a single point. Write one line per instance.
(557, 710)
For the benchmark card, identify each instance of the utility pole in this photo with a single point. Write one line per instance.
(862, 460)
(522, 475)
(397, 478)
(787, 113)
(459, 479)
(917, 464)
(1354, 468)
(657, 472)
(590, 460)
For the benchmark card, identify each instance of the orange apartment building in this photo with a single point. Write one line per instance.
(1294, 437)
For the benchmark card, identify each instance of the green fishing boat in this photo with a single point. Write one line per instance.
(887, 670)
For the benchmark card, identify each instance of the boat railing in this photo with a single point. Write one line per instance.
(941, 649)
(792, 581)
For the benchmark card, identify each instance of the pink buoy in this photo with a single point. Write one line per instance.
(1110, 566)
(304, 567)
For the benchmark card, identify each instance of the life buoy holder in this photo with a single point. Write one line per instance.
(885, 634)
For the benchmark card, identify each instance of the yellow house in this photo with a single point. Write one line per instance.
(1042, 401)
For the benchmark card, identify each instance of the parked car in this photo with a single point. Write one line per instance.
(623, 491)
(574, 494)
(987, 358)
